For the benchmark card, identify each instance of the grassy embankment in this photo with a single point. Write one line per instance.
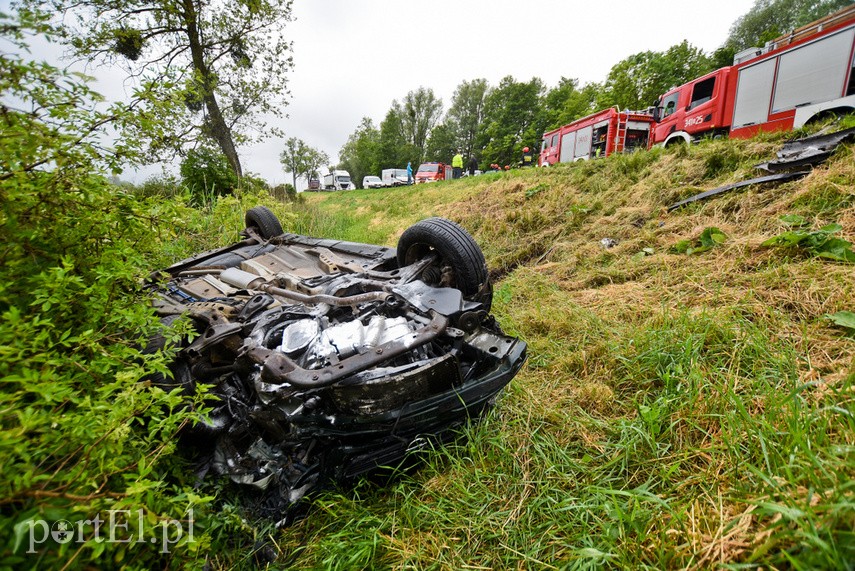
(677, 410)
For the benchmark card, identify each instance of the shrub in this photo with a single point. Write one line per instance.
(81, 436)
(206, 174)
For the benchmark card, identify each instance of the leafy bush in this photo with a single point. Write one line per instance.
(206, 174)
(286, 192)
(162, 186)
(82, 436)
(820, 243)
(709, 238)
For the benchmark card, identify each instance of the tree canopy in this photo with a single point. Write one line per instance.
(495, 122)
(636, 82)
(466, 114)
(768, 19)
(201, 69)
(359, 156)
(301, 160)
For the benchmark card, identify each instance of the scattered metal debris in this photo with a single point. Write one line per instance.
(808, 151)
(794, 161)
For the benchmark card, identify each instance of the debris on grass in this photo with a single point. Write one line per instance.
(795, 160)
(643, 253)
(779, 177)
(807, 151)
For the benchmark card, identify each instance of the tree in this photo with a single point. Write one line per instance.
(466, 113)
(203, 69)
(509, 123)
(443, 143)
(359, 155)
(74, 311)
(636, 82)
(419, 114)
(567, 102)
(314, 160)
(300, 159)
(394, 151)
(768, 19)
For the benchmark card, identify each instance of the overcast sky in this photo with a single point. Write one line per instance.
(354, 57)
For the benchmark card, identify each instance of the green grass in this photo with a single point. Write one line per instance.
(675, 412)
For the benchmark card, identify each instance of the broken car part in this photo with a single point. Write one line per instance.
(780, 177)
(791, 163)
(327, 360)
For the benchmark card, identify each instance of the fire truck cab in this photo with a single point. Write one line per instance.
(698, 107)
(805, 74)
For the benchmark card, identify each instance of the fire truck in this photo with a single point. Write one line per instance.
(430, 172)
(597, 135)
(803, 75)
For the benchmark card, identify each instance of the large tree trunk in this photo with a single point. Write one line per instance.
(219, 130)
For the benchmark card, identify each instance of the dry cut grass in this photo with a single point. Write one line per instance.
(677, 411)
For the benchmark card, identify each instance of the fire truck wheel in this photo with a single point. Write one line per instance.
(263, 221)
(460, 262)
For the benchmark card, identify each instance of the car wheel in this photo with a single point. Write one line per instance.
(456, 250)
(264, 221)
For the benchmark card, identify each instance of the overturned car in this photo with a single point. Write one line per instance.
(327, 360)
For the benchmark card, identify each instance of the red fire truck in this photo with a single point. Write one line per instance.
(797, 77)
(597, 135)
(430, 172)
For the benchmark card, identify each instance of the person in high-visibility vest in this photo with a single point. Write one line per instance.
(457, 165)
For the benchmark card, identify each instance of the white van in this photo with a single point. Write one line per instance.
(372, 181)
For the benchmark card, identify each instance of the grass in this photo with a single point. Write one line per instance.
(675, 411)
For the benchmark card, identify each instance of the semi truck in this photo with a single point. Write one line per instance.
(795, 78)
(338, 180)
(597, 135)
(430, 172)
(394, 177)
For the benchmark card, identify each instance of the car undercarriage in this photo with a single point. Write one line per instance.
(327, 360)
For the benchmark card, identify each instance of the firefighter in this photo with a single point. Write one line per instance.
(473, 165)
(457, 165)
(527, 159)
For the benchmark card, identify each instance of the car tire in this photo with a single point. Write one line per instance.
(456, 248)
(263, 221)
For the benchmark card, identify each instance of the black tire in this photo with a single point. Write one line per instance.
(456, 249)
(264, 221)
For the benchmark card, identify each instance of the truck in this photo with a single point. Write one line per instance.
(338, 180)
(430, 172)
(394, 177)
(793, 79)
(597, 135)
